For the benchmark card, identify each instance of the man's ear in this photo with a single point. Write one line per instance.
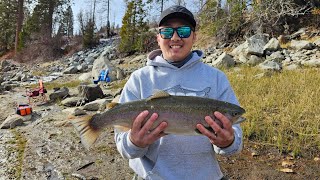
(194, 37)
(158, 39)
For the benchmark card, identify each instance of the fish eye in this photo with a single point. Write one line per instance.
(235, 114)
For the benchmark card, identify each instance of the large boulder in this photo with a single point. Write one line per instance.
(59, 94)
(256, 44)
(90, 92)
(103, 63)
(224, 60)
(252, 46)
(14, 120)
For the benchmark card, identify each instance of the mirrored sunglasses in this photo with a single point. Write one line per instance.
(183, 32)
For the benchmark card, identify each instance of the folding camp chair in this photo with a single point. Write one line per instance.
(37, 95)
(103, 77)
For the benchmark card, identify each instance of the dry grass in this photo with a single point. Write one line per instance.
(286, 45)
(282, 110)
(20, 144)
(51, 85)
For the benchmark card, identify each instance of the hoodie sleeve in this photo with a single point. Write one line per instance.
(227, 94)
(124, 145)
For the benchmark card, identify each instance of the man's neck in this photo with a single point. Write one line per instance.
(179, 64)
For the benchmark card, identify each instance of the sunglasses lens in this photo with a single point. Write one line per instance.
(166, 33)
(184, 32)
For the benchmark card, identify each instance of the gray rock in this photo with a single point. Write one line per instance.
(90, 92)
(299, 45)
(89, 60)
(291, 67)
(4, 64)
(276, 56)
(224, 60)
(311, 63)
(74, 111)
(272, 45)
(85, 77)
(255, 60)
(256, 44)
(71, 70)
(73, 101)
(243, 58)
(270, 65)
(14, 120)
(59, 94)
(102, 63)
(241, 49)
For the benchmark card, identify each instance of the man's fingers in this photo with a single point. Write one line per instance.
(159, 130)
(224, 120)
(205, 131)
(147, 126)
(137, 123)
(213, 124)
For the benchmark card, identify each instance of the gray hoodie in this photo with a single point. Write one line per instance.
(175, 157)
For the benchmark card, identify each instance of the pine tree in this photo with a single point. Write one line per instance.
(134, 28)
(8, 21)
(20, 13)
(66, 23)
(158, 1)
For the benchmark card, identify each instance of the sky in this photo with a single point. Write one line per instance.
(117, 11)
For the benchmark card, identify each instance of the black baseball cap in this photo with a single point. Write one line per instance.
(177, 12)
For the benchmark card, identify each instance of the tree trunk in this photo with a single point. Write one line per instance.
(161, 6)
(52, 5)
(108, 20)
(19, 24)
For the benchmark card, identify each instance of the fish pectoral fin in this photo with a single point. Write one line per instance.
(197, 131)
(121, 128)
(88, 133)
(111, 105)
(159, 94)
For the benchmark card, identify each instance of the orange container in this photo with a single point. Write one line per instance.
(24, 110)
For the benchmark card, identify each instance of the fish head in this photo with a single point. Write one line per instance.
(234, 113)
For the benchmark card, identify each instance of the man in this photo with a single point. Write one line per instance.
(179, 71)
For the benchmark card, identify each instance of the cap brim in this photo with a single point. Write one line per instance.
(179, 15)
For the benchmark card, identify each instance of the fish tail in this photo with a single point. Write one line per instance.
(87, 132)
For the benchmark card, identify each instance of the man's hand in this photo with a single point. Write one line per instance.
(223, 136)
(142, 135)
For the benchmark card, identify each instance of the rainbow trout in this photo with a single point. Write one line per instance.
(182, 113)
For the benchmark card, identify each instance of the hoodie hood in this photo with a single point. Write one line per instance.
(155, 59)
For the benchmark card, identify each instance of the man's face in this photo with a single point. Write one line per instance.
(176, 48)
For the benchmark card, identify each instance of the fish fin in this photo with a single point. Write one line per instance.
(159, 94)
(111, 105)
(197, 131)
(121, 128)
(87, 133)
